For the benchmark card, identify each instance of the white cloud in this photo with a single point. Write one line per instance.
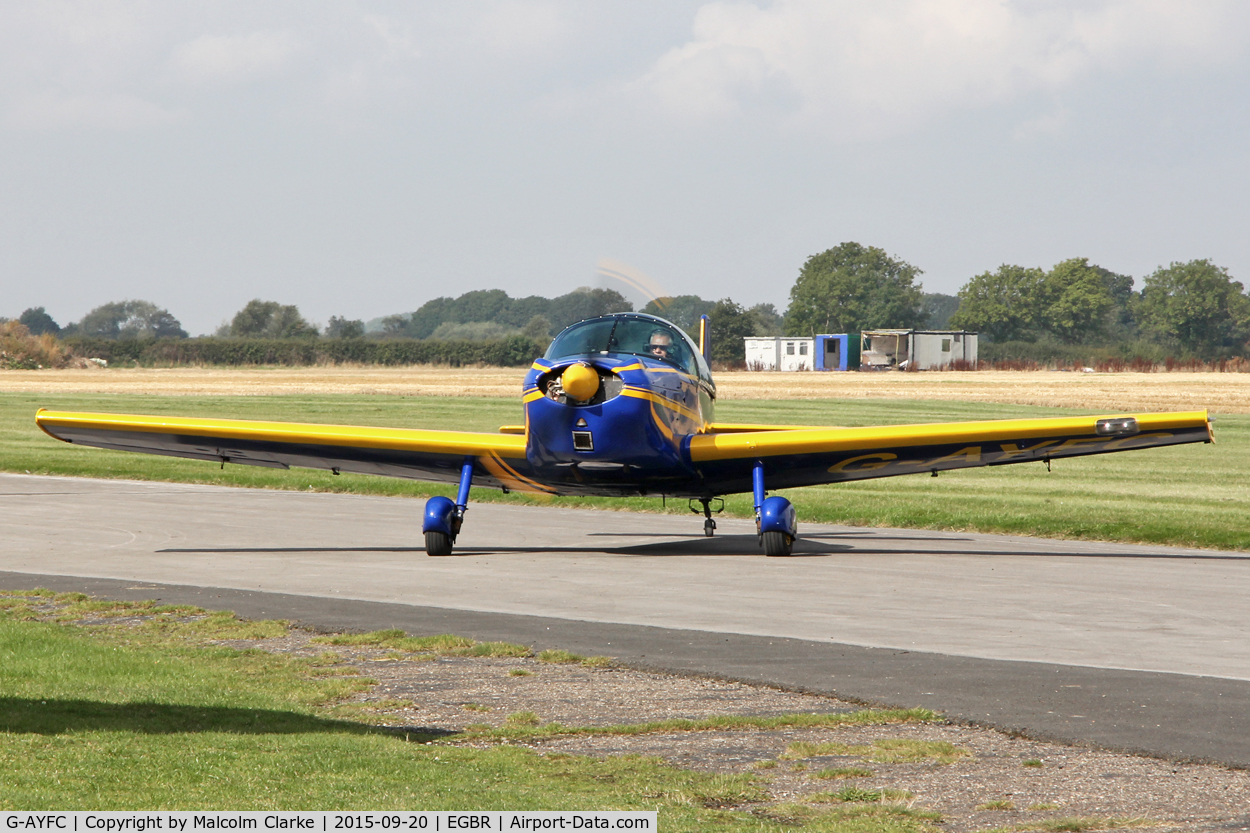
(1051, 123)
(111, 111)
(97, 61)
(518, 28)
(234, 57)
(373, 69)
(869, 68)
(715, 81)
(396, 38)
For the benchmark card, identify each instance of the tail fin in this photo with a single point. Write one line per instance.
(705, 337)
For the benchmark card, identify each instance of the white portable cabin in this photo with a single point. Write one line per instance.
(780, 353)
(823, 352)
(922, 349)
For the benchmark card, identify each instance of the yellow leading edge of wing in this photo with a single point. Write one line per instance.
(809, 440)
(747, 427)
(406, 439)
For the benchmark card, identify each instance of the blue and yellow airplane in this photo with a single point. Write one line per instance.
(623, 405)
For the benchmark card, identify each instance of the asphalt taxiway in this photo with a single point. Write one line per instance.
(1127, 647)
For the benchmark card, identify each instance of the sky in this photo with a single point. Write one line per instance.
(360, 158)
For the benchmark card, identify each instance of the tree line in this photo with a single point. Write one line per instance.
(128, 330)
(1193, 309)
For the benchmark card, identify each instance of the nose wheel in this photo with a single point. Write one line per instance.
(709, 525)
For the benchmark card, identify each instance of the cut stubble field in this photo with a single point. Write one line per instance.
(1189, 496)
(1223, 393)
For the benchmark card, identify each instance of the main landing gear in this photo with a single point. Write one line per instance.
(443, 518)
(774, 517)
(775, 520)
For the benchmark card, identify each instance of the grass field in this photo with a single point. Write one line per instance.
(1193, 496)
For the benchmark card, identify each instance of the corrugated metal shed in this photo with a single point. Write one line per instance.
(887, 349)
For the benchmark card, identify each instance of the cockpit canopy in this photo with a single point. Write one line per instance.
(630, 332)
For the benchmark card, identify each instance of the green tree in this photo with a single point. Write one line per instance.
(730, 324)
(104, 321)
(521, 311)
(851, 288)
(538, 328)
(253, 319)
(583, 303)
(130, 319)
(423, 322)
(478, 305)
(683, 310)
(399, 325)
(768, 321)
(1077, 301)
(472, 331)
(938, 309)
(494, 306)
(1122, 321)
(340, 327)
(1002, 305)
(1198, 306)
(39, 322)
(484, 305)
(288, 323)
(269, 319)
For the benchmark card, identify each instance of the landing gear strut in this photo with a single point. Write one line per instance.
(709, 525)
(774, 517)
(443, 518)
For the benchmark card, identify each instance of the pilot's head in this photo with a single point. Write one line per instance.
(660, 345)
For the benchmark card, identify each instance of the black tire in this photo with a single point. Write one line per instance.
(709, 527)
(777, 543)
(437, 543)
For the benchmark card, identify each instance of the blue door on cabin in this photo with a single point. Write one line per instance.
(833, 352)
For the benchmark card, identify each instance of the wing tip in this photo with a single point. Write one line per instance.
(40, 416)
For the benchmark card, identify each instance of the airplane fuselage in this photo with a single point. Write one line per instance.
(634, 443)
(629, 431)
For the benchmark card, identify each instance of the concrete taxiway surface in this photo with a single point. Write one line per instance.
(1140, 648)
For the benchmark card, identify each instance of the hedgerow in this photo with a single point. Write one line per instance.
(512, 351)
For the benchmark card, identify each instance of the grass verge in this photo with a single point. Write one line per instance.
(530, 728)
(450, 645)
(132, 705)
(885, 751)
(1077, 824)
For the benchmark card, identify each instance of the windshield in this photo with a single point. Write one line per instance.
(642, 336)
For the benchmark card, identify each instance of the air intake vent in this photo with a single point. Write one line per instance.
(583, 441)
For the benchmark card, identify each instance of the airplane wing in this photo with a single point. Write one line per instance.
(395, 452)
(792, 456)
(808, 456)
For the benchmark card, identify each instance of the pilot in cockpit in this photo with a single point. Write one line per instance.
(660, 345)
(663, 345)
